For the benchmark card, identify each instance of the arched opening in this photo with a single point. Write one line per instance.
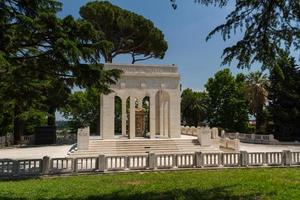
(118, 115)
(127, 115)
(137, 103)
(162, 113)
(146, 108)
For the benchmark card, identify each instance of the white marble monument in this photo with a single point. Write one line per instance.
(160, 86)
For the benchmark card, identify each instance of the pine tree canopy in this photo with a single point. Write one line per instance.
(125, 32)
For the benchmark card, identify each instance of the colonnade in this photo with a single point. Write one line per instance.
(159, 114)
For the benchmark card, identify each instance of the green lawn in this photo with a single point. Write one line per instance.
(276, 183)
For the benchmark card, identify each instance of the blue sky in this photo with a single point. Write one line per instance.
(185, 30)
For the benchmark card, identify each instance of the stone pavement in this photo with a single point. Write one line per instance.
(267, 148)
(62, 150)
(35, 152)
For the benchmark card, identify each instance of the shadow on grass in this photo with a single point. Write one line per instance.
(192, 193)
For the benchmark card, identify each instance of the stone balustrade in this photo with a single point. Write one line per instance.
(206, 135)
(252, 138)
(6, 140)
(228, 143)
(27, 139)
(30, 139)
(150, 161)
(194, 131)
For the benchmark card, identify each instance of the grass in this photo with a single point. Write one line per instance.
(262, 183)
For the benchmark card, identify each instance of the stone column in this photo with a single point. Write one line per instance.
(161, 118)
(166, 119)
(152, 116)
(123, 116)
(107, 121)
(132, 118)
(174, 113)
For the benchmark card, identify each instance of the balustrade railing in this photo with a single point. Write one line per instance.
(86, 164)
(151, 161)
(185, 160)
(252, 138)
(62, 165)
(165, 161)
(211, 159)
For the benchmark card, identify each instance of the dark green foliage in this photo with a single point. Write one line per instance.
(193, 107)
(42, 57)
(227, 106)
(284, 97)
(118, 114)
(83, 109)
(124, 32)
(257, 85)
(269, 27)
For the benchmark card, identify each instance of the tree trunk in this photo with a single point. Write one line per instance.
(51, 116)
(258, 120)
(133, 58)
(108, 59)
(18, 126)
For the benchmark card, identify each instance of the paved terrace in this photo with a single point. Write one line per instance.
(61, 151)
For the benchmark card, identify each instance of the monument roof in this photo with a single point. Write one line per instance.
(144, 69)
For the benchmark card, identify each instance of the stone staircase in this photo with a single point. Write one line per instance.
(142, 146)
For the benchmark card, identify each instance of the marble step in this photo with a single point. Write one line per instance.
(142, 147)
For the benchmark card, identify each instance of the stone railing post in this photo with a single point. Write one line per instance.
(16, 167)
(175, 161)
(199, 159)
(204, 137)
(75, 167)
(236, 144)
(46, 165)
(265, 158)
(286, 157)
(243, 158)
(152, 160)
(83, 138)
(220, 160)
(214, 133)
(222, 134)
(237, 135)
(101, 163)
(127, 162)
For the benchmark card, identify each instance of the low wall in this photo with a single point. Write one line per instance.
(27, 139)
(194, 131)
(66, 139)
(228, 143)
(151, 161)
(30, 139)
(252, 138)
(6, 140)
(204, 132)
